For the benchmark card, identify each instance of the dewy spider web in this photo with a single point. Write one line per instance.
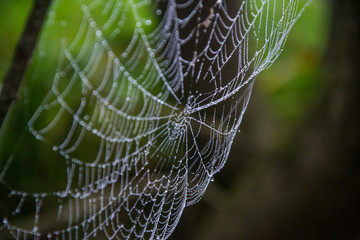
(141, 121)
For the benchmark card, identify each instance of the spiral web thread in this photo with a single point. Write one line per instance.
(158, 114)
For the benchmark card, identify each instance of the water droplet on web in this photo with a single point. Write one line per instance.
(92, 24)
(127, 99)
(117, 31)
(212, 179)
(124, 54)
(55, 148)
(158, 12)
(35, 229)
(49, 235)
(42, 53)
(138, 24)
(148, 22)
(52, 14)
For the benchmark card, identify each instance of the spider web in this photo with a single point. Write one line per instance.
(143, 108)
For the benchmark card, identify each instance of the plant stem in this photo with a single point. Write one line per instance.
(22, 56)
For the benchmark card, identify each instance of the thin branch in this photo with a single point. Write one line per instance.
(23, 53)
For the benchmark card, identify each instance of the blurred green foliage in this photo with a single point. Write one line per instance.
(291, 83)
(292, 86)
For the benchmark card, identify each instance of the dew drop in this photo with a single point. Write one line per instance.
(92, 24)
(138, 24)
(116, 31)
(63, 23)
(158, 12)
(52, 14)
(148, 22)
(42, 53)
